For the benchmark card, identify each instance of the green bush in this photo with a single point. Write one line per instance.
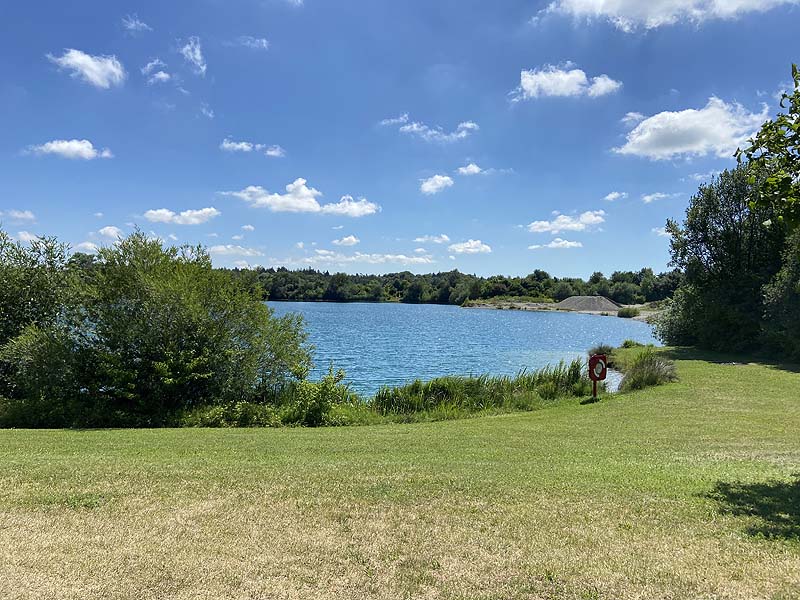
(648, 368)
(310, 402)
(628, 312)
(632, 344)
(601, 349)
(238, 414)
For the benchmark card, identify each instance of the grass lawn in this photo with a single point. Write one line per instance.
(689, 490)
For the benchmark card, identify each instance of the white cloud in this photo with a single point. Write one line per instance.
(348, 207)
(254, 43)
(100, 71)
(206, 111)
(648, 198)
(133, 24)
(26, 237)
(111, 232)
(299, 245)
(437, 134)
(300, 198)
(154, 64)
(99, 215)
(237, 237)
(330, 257)
(248, 228)
(557, 244)
(435, 184)
(435, 239)
(470, 247)
(73, 149)
(349, 240)
(193, 54)
(582, 222)
(703, 177)
(230, 145)
(632, 119)
(187, 217)
(470, 169)
(565, 81)
(18, 216)
(87, 247)
(629, 15)
(420, 250)
(616, 196)
(234, 250)
(718, 129)
(275, 151)
(660, 231)
(399, 120)
(159, 77)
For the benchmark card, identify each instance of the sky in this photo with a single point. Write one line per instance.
(369, 136)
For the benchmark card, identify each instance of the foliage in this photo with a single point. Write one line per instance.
(601, 349)
(142, 334)
(727, 255)
(631, 344)
(782, 305)
(474, 394)
(648, 368)
(628, 312)
(776, 149)
(457, 288)
(237, 414)
(310, 402)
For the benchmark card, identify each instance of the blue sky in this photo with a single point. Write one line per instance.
(368, 136)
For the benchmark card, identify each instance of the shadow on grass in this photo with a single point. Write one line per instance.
(774, 506)
(721, 358)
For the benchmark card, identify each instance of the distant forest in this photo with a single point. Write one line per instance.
(454, 287)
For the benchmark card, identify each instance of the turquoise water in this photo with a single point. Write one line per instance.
(391, 344)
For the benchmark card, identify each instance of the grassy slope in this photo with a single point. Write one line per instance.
(601, 501)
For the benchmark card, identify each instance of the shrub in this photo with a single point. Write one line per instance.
(237, 414)
(310, 402)
(601, 349)
(632, 344)
(628, 312)
(648, 368)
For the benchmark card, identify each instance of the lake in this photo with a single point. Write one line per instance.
(391, 344)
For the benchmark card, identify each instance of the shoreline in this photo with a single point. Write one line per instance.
(644, 316)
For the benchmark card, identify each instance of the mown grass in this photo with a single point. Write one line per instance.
(686, 490)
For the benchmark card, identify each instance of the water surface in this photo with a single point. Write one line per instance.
(391, 344)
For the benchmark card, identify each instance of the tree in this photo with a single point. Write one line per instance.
(775, 150)
(727, 255)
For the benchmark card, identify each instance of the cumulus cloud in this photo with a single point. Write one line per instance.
(717, 129)
(349, 207)
(133, 24)
(87, 247)
(629, 15)
(206, 111)
(470, 169)
(435, 184)
(433, 239)
(111, 232)
(187, 217)
(649, 198)
(581, 222)
(616, 196)
(73, 149)
(299, 198)
(248, 228)
(26, 237)
(632, 119)
(230, 145)
(100, 71)
(193, 54)
(18, 216)
(550, 80)
(159, 77)
(470, 247)
(437, 134)
(349, 240)
(234, 250)
(557, 244)
(660, 231)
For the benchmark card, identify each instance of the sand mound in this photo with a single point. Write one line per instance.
(588, 303)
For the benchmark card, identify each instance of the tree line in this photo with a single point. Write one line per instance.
(454, 287)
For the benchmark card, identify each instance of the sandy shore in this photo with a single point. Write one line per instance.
(644, 314)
